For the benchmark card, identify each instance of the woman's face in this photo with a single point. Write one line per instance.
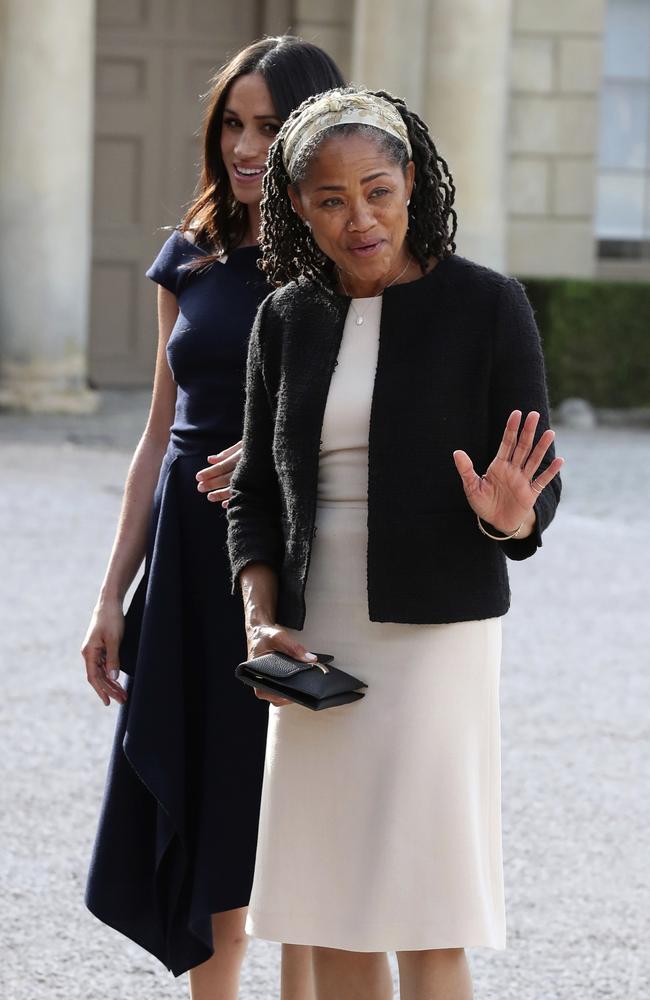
(355, 198)
(249, 126)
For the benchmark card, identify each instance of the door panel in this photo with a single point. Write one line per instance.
(154, 59)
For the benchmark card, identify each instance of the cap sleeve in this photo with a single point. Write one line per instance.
(169, 268)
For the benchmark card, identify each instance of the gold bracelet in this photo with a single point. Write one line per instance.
(499, 538)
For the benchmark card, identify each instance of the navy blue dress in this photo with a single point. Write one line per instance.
(178, 828)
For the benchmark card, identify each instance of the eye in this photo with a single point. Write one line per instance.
(271, 128)
(379, 192)
(331, 203)
(232, 122)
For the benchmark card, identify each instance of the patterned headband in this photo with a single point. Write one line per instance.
(337, 107)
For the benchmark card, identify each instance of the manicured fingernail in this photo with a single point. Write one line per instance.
(113, 674)
(310, 656)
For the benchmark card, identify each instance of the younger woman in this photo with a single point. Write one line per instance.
(173, 861)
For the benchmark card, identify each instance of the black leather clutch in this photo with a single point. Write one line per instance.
(315, 685)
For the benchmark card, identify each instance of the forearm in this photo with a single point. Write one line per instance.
(129, 546)
(259, 587)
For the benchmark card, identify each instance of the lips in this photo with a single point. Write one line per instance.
(366, 249)
(248, 174)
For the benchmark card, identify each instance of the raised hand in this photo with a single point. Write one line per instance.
(215, 478)
(505, 495)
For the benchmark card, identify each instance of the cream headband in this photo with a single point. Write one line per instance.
(339, 108)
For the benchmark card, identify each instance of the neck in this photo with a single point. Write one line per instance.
(254, 224)
(358, 288)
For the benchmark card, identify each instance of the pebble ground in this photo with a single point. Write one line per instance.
(575, 687)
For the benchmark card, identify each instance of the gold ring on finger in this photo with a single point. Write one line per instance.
(538, 489)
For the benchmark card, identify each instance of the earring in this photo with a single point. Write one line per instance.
(308, 224)
(408, 202)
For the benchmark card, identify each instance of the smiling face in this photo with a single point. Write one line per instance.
(354, 198)
(250, 124)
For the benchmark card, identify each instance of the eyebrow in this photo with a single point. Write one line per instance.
(230, 111)
(364, 180)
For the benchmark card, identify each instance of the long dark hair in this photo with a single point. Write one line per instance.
(292, 70)
(289, 251)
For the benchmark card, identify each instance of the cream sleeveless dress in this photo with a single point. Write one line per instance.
(380, 824)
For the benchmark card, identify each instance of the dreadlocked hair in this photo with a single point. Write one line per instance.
(289, 251)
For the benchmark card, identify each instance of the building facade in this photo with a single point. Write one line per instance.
(538, 108)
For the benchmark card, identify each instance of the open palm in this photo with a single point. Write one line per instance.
(506, 493)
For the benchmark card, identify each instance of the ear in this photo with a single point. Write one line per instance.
(296, 201)
(409, 178)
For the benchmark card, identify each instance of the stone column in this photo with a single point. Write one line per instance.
(389, 48)
(468, 43)
(46, 105)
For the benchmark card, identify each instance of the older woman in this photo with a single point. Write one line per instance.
(382, 373)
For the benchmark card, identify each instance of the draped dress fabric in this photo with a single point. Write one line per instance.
(177, 831)
(380, 824)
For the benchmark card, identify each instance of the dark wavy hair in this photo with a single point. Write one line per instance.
(292, 70)
(289, 251)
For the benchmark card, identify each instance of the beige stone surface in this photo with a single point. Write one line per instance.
(528, 186)
(550, 247)
(325, 11)
(574, 187)
(392, 57)
(580, 61)
(532, 64)
(46, 93)
(335, 40)
(467, 52)
(554, 126)
(584, 16)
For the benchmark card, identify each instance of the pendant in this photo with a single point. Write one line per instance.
(359, 320)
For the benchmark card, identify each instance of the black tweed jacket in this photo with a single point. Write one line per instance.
(458, 351)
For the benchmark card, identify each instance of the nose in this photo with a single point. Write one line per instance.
(247, 146)
(361, 217)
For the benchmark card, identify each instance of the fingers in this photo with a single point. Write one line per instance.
(226, 453)
(526, 439)
(100, 676)
(465, 467)
(212, 480)
(537, 454)
(269, 638)
(221, 467)
(285, 644)
(509, 439)
(218, 496)
(547, 475)
(273, 698)
(104, 686)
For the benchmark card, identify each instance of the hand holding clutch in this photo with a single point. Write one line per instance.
(315, 685)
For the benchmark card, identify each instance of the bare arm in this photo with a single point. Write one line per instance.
(101, 645)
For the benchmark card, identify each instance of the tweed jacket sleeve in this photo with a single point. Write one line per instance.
(518, 382)
(254, 523)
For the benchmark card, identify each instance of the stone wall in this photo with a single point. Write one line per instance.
(328, 24)
(555, 76)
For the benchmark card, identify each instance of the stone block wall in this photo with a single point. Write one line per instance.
(555, 74)
(328, 24)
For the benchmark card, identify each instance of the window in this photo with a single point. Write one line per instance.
(623, 196)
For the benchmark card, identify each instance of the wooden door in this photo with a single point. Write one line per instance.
(154, 58)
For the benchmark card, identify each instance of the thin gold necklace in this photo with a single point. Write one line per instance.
(361, 315)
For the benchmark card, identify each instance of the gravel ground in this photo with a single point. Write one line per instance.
(575, 726)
